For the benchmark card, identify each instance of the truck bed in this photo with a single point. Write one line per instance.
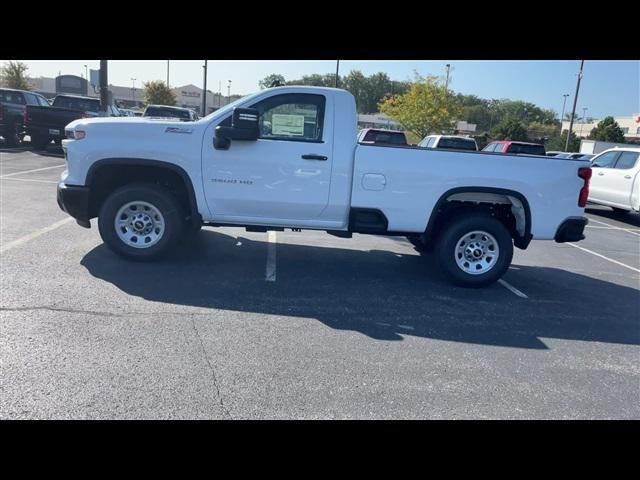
(396, 178)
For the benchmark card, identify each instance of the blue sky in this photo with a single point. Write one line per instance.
(607, 88)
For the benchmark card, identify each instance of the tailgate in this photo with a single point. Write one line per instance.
(51, 118)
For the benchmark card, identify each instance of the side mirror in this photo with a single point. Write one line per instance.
(244, 127)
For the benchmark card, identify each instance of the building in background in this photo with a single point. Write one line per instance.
(377, 120)
(630, 126)
(187, 96)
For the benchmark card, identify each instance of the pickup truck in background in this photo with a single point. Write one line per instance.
(616, 179)
(165, 111)
(287, 157)
(515, 148)
(46, 123)
(12, 107)
(379, 136)
(449, 141)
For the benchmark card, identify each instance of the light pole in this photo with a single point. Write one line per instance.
(228, 92)
(133, 90)
(204, 91)
(575, 102)
(167, 73)
(219, 93)
(446, 85)
(564, 102)
(337, 69)
(584, 112)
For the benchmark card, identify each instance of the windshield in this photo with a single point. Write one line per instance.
(227, 108)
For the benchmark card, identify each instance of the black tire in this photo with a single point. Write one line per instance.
(39, 142)
(158, 197)
(12, 139)
(454, 231)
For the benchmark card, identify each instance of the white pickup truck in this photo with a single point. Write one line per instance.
(287, 157)
(616, 179)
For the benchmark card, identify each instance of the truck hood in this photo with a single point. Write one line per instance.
(133, 127)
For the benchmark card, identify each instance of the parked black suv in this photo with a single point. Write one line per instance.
(12, 110)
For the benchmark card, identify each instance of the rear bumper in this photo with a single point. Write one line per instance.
(571, 230)
(74, 200)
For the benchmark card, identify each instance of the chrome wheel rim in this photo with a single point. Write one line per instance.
(139, 224)
(476, 252)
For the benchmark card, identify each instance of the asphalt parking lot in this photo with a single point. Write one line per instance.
(305, 325)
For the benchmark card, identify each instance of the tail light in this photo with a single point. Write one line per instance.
(585, 174)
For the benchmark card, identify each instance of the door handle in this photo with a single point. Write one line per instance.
(627, 176)
(312, 156)
(600, 173)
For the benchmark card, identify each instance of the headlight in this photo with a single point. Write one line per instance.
(76, 134)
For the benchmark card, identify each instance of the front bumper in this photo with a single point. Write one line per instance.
(74, 200)
(571, 230)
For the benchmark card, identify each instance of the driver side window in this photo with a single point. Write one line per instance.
(291, 116)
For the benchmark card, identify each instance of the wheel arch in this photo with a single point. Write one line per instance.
(484, 195)
(140, 166)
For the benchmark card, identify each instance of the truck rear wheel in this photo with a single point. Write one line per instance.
(474, 251)
(141, 221)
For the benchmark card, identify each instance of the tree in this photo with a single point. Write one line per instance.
(13, 76)
(156, 92)
(558, 142)
(607, 130)
(537, 131)
(273, 80)
(426, 108)
(509, 129)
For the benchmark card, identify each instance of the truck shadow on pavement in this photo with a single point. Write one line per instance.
(381, 294)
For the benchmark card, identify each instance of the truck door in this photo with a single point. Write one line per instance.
(285, 174)
(622, 177)
(602, 182)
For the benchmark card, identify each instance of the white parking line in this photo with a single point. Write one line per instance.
(31, 236)
(602, 256)
(30, 180)
(30, 171)
(270, 275)
(609, 228)
(615, 227)
(511, 288)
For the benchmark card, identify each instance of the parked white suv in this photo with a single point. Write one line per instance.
(449, 141)
(616, 179)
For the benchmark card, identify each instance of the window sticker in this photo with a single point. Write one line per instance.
(289, 125)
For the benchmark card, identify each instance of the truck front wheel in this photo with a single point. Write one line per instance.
(141, 221)
(474, 251)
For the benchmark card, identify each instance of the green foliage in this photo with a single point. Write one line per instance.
(607, 130)
(539, 132)
(558, 142)
(368, 91)
(13, 75)
(156, 92)
(509, 129)
(425, 109)
(273, 80)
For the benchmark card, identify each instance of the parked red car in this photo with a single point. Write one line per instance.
(508, 146)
